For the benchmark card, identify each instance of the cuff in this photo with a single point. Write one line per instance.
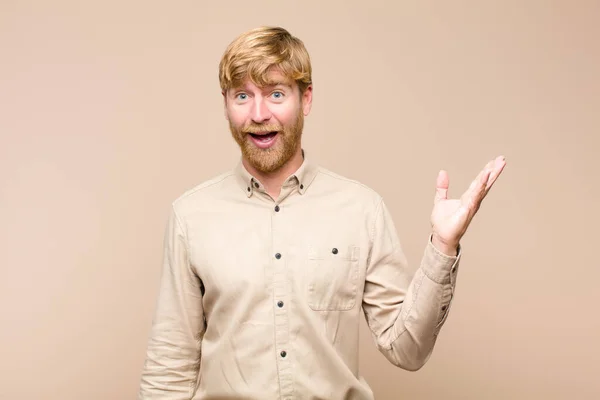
(440, 267)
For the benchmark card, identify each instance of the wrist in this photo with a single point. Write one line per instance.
(448, 248)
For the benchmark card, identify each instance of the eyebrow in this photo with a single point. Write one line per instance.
(278, 82)
(268, 85)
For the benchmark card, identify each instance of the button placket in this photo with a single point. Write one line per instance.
(280, 264)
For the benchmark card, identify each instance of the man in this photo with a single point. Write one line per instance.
(267, 268)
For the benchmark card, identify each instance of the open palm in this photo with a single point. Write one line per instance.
(450, 218)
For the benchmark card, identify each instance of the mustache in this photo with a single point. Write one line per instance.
(255, 128)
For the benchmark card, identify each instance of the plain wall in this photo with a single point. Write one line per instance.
(109, 110)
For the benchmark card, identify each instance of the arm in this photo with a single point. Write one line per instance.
(405, 312)
(173, 351)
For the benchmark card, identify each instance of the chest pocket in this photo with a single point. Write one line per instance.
(333, 274)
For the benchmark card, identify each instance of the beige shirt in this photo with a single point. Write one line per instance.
(261, 298)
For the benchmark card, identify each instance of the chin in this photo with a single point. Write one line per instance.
(266, 164)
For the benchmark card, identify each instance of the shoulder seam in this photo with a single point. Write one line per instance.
(203, 185)
(377, 213)
(349, 180)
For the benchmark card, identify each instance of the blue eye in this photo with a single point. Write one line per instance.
(242, 96)
(277, 95)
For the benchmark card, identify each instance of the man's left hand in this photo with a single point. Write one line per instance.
(450, 218)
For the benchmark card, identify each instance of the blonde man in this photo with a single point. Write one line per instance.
(268, 268)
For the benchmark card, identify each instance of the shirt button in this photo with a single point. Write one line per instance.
(248, 188)
(334, 250)
(283, 354)
(256, 185)
(301, 186)
(276, 208)
(280, 304)
(278, 256)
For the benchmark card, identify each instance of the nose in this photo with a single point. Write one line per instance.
(260, 111)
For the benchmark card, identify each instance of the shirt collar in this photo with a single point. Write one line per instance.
(303, 177)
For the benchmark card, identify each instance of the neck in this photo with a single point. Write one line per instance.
(273, 181)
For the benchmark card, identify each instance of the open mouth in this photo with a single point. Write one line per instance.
(263, 136)
(263, 139)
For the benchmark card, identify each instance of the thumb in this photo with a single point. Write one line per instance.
(441, 187)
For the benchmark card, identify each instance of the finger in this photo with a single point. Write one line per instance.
(480, 190)
(474, 195)
(480, 186)
(475, 182)
(497, 167)
(441, 187)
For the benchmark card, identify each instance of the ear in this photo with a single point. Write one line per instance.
(224, 93)
(307, 100)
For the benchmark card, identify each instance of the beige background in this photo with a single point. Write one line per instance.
(110, 110)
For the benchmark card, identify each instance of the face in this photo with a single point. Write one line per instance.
(267, 122)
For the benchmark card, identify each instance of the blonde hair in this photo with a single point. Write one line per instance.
(254, 53)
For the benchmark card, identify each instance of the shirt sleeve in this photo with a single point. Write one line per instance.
(405, 311)
(173, 351)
